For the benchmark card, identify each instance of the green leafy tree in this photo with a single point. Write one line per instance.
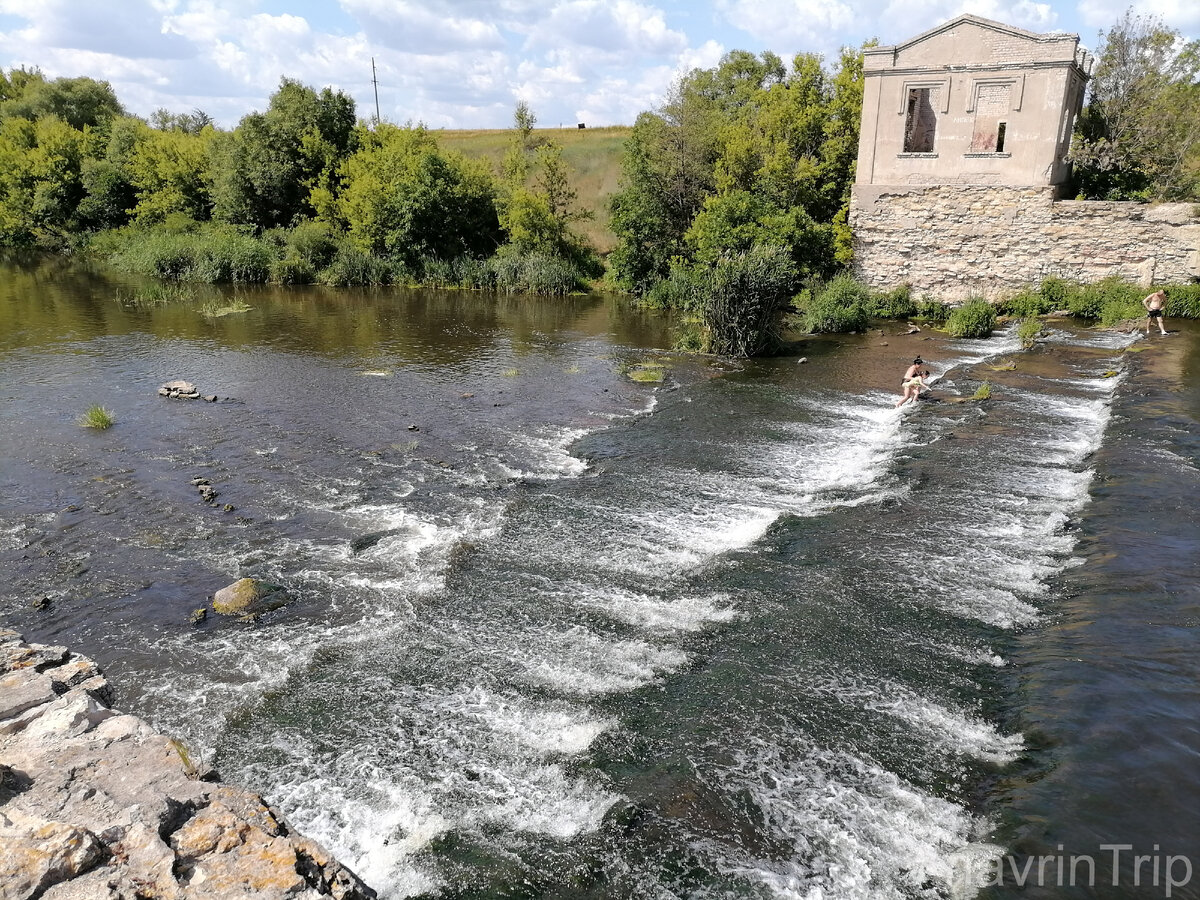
(79, 102)
(190, 123)
(1139, 135)
(169, 173)
(405, 197)
(41, 181)
(744, 154)
(536, 202)
(266, 172)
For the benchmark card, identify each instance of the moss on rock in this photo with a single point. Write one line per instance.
(248, 596)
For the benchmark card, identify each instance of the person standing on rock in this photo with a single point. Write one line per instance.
(912, 382)
(1156, 305)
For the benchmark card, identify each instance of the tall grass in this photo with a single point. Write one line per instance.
(1028, 331)
(208, 253)
(156, 295)
(97, 417)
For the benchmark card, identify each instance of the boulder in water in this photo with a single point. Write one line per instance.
(249, 596)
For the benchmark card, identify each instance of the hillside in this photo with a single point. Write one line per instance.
(594, 155)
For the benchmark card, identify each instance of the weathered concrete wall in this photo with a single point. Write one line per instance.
(958, 241)
(979, 73)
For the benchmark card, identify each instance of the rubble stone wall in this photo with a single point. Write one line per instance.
(959, 241)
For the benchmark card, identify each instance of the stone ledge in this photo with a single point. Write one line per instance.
(97, 805)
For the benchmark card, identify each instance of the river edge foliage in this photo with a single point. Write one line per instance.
(303, 192)
(732, 205)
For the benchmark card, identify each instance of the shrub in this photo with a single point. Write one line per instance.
(97, 417)
(313, 243)
(534, 272)
(741, 299)
(983, 392)
(975, 319)
(1110, 300)
(292, 270)
(676, 291)
(838, 307)
(933, 311)
(1024, 304)
(894, 304)
(1054, 292)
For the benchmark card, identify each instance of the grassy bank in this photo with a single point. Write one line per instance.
(845, 305)
(592, 155)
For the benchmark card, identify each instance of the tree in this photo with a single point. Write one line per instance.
(189, 123)
(266, 172)
(79, 102)
(40, 178)
(744, 154)
(1139, 135)
(169, 172)
(406, 198)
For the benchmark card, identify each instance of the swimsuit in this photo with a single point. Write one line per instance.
(1156, 313)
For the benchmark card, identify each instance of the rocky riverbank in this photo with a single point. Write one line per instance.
(97, 805)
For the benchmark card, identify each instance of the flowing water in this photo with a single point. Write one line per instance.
(749, 632)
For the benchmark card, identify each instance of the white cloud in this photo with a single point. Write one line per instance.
(422, 27)
(132, 29)
(807, 23)
(623, 28)
(1104, 14)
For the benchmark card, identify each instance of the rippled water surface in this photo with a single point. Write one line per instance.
(748, 632)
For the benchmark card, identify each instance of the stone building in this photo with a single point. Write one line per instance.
(963, 158)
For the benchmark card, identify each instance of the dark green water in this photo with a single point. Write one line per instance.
(749, 632)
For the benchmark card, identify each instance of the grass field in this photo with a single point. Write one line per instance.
(593, 154)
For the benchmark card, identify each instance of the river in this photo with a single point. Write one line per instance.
(749, 632)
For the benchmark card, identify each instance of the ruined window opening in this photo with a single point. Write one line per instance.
(992, 101)
(920, 126)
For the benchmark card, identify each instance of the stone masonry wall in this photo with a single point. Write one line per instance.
(959, 241)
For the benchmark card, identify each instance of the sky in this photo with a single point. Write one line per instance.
(466, 63)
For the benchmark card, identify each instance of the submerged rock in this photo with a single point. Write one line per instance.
(96, 805)
(249, 596)
(367, 541)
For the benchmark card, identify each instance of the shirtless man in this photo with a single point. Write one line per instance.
(1155, 304)
(912, 382)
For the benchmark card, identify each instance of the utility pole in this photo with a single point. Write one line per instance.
(375, 82)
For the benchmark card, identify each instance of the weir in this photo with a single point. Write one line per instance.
(749, 630)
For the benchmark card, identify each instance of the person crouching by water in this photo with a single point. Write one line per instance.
(913, 381)
(1155, 308)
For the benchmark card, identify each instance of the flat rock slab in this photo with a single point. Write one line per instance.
(97, 805)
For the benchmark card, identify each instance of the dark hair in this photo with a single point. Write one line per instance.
(918, 361)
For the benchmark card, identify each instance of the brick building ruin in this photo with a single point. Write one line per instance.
(962, 162)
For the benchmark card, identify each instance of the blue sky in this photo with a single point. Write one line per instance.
(465, 63)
